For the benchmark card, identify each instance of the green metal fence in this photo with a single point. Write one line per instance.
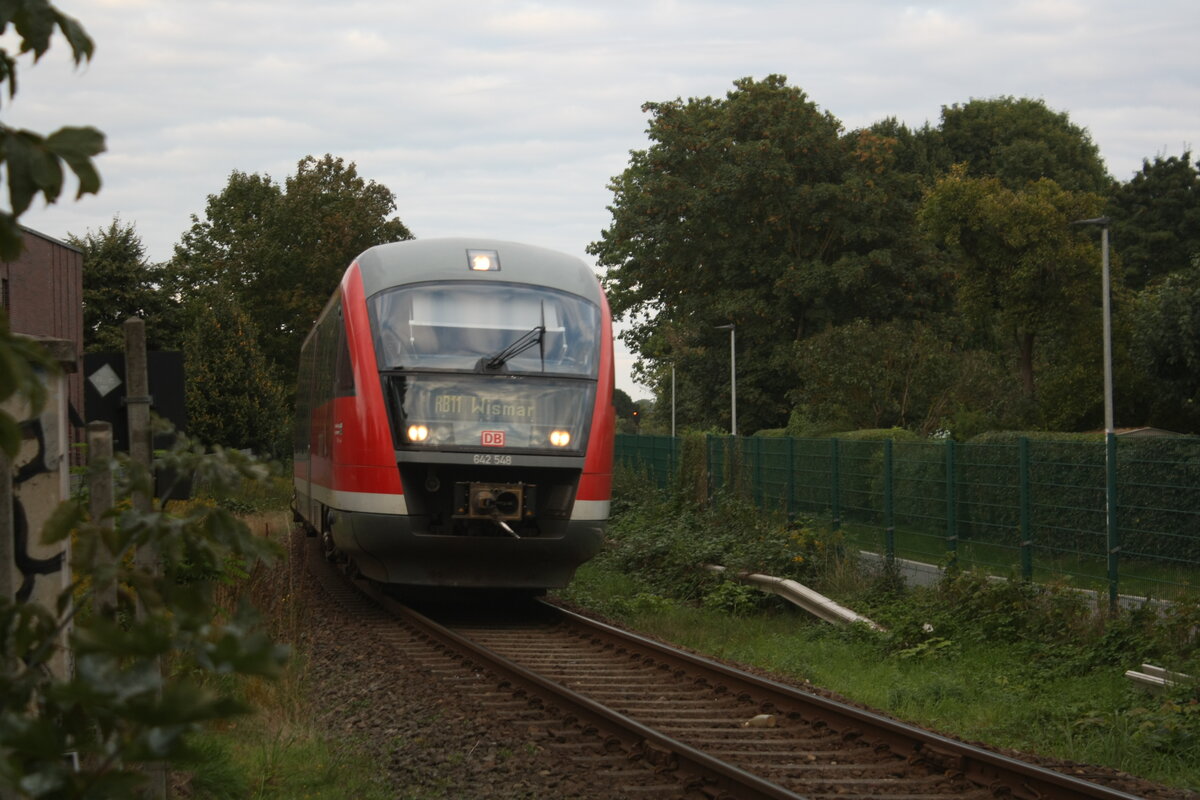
(1121, 516)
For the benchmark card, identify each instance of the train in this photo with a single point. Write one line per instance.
(454, 417)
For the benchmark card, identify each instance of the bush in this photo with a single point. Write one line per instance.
(666, 539)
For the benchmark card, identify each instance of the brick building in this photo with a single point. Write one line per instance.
(42, 292)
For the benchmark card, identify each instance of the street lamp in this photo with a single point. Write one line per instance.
(1110, 439)
(732, 373)
(672, 400)
(1103, 223)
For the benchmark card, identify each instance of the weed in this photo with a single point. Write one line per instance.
(735, 598)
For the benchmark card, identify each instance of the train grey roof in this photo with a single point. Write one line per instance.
(419, 260)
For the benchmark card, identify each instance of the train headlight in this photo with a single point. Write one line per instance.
(483, 260)
(560, 438)
(418, 433)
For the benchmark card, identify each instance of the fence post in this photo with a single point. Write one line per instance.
(889, 521)
(951, 505)
(708, 466)
(100, 500)
(835, 499)
(138, 401)
(791, 479)
(1026, 504)
(1110, 504)
(672, 459)
(759, 491)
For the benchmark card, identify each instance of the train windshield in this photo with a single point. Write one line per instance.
(473, 327)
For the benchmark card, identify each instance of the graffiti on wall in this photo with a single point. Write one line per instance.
(42, 462)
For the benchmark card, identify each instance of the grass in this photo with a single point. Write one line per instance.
(278, 751)
(1009, 695)
(1136, 577)
(266, 758)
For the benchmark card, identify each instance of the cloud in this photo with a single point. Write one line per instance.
(509, 117)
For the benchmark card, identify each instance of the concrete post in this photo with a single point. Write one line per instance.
(138, 400)
(100, 499)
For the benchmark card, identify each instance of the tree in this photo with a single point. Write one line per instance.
(1023, 272)
(33, 164)
(898, 374)
(754, 210)
(118, 284)
(1156, 219)
(1019, 141)
(234, 397)
(623, 406)
(280, 251)
(1167, 344)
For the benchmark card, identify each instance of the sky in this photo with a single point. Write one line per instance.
(509, 119)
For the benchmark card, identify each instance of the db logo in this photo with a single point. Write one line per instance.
(492, 439)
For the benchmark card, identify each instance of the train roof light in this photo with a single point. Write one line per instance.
(483, 260)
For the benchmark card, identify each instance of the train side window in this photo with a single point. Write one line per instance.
(304, 400)
(344, 371)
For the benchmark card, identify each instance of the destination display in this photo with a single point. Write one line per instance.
(455, 406)
(478, 412)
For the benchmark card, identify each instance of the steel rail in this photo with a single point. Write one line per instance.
(983, 767)
(737, 782)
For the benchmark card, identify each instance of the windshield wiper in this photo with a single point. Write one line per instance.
(536, 335)
(526, 341)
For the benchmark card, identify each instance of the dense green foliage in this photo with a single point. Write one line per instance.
(1168, 344)
(1156, 219)
(118, 283)
(1020, 141)
(927, 278)
(238, 399)
(1021, 272)
(118, 709)
(919, 375)
(666, 543)
(755, 210)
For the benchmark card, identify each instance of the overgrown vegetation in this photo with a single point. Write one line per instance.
(139, 619)
(1011, 663)
(277, 751)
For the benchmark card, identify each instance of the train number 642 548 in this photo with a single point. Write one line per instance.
(493, 458)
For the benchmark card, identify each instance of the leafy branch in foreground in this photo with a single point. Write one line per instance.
(121, 708)
(33, 162)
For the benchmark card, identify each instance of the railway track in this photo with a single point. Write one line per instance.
(653, 721)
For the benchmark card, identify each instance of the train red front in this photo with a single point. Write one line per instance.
(454, 418)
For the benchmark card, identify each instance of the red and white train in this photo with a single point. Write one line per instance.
(454, 420)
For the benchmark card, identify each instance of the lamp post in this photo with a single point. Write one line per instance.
(732, 373)
(1103, 223)
(672, 401)
(1110, 439)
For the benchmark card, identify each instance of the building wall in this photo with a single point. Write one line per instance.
(42, 291)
